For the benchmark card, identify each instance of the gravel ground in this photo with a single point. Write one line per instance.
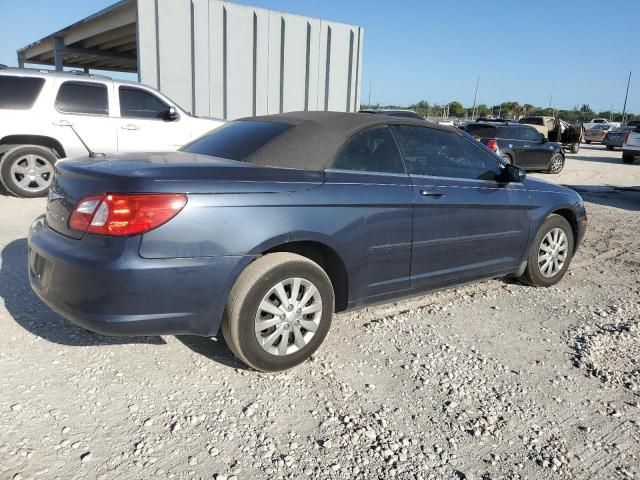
(493, 380)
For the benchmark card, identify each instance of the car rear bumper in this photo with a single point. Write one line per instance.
(102, 284)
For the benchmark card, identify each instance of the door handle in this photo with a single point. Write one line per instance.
(431, 193)
(130, 126)
(63, 123)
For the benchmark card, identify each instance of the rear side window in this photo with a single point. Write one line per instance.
(483, 131)
(373, 150)
(83, 97)
(237, 140)
(136, 103)
(19, 93)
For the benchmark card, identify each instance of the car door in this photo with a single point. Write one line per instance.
(368, 180)
(521, 146)
(84, 113)
(539, 150)
(467, 222)
(145, 125)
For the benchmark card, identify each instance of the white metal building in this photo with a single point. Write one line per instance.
(214, 57)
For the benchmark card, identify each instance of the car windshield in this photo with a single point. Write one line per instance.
(237, 140)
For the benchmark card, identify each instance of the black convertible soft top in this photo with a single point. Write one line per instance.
(316, 137)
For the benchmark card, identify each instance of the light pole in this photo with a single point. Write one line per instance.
(475, 96)
(626, 95)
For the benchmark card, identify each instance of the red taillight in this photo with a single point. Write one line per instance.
(125, 214)
(492, 145)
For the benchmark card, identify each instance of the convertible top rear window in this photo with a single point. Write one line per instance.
(237, 140)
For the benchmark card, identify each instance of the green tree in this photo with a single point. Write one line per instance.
(456, 109)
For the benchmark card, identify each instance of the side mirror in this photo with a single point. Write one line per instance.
(514, 173)
(172, 114)
(543, 139)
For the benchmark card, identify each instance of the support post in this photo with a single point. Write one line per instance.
(58, 53)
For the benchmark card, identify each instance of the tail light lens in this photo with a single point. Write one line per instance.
(125, 214)
(492, 145)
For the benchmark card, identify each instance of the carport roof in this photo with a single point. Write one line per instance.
(106, 40)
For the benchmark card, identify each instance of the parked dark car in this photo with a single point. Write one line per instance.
(267, 226)
(615, 138)
(394, 113)
(520, 145)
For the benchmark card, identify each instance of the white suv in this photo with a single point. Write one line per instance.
(46, 115)
(631, 146)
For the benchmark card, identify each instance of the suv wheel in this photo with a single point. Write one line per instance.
(626, 158)
(27, 170)
(550, 254)
(506, 158)
(556, 164)
(575, 147)
(278, 312)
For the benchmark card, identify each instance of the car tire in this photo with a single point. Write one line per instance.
(18, 163)
(575, 148)
(588, 142)
(556, 163)
(626, 158)
(610, 147)
(538, 273)
(257, 297)
(506, 158)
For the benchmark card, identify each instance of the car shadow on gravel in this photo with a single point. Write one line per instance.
(216, 350)
(33, 315)
(627, 198)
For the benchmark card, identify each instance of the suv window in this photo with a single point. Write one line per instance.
(532, 121)
(83, 97)
(529, 134)
(237, 140)
(438, 153)
(483, 131)
(137, 103)
(19, 93)
(373, 150)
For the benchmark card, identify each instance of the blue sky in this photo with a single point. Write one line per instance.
(579, 50)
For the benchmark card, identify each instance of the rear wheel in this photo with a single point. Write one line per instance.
(278, 312)
(556, 164)
(588, 142)
(27, 170)
(550, 254)
(575, 147)
(626, 158)
(610, 147)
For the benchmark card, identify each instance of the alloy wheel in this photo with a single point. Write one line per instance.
(32, 173)
(552, 253)
(556, 164)
(288, 316)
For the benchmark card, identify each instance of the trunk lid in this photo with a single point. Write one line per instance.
(174, 172)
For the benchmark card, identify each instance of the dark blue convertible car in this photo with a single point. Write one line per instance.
(268, 225)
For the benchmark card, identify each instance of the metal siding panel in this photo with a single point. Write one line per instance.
(339, 67)
(295, 60)
(262, 62)
(147, 47)
(239, 61)
(358, 84)
(314, 62)
(174, 27)
(273, 73)
(216, 85)
(322, 64)
(201, 56)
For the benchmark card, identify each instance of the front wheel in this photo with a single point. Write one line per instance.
(556, 164)
(27, 170)
(550, 254)
(278, 312)
(588, 142)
